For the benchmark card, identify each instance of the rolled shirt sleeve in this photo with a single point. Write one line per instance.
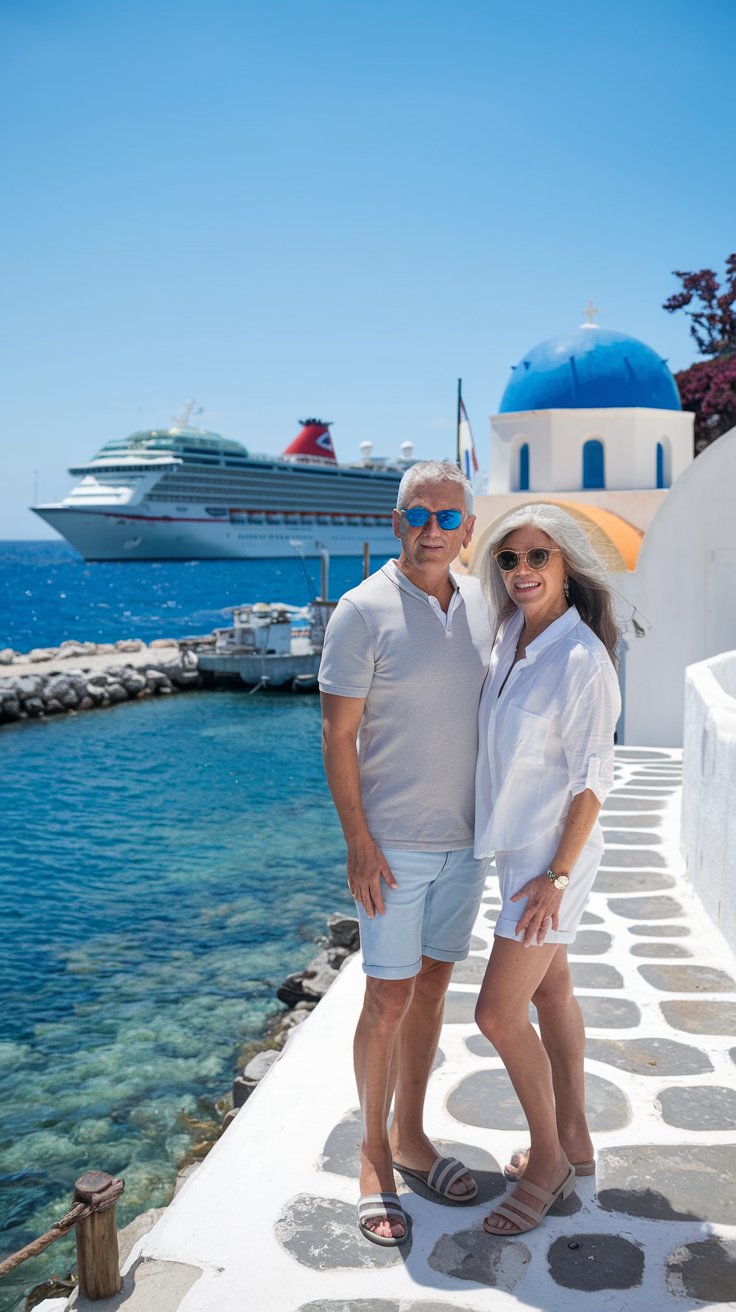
(587, 724)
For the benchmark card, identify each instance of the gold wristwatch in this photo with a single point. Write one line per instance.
(559, 881)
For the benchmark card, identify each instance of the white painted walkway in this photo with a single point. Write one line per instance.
(267, 1224)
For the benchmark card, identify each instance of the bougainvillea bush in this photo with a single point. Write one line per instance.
(708, 387)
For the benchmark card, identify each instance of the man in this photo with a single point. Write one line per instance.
(404, 660)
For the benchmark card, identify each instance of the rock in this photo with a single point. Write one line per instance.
(69, 649)
(86, 703)
(289, 1022)
(318, 975)
(261, 1064)
(7, 656)
(163, 642)
(157, 681)
(61, 690)
(129, 644)
(10, 708)
(106, 648)
(132, 681)
(96, 690)
(52, 1294)
(35, 706)
(336, 956)
(308, 985)
(242, 1089)
(53, 706)
(41, 654)
(28, 685)
(229, 1118)
(343, 932)
(188, 680)
(67, 688)
(116, 692)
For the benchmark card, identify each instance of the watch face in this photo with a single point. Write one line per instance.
(561, 881)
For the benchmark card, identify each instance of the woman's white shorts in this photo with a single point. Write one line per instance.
(515, 869)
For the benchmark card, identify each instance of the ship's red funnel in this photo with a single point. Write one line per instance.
(314, 441)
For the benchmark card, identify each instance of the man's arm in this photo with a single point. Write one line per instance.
(366, 863)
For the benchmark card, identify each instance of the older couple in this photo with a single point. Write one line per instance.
(460, 723)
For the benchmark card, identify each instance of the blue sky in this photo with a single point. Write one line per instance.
(309, 207)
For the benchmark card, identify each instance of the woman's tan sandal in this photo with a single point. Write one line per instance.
(514, 1170)
(521, 1216)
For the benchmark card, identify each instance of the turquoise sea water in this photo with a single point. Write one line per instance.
(163, 865)
(48, 593)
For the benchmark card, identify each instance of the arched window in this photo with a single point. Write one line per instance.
(594, 472)
(664, 471)
(524, 467)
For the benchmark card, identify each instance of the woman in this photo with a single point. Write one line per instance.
(547, 717)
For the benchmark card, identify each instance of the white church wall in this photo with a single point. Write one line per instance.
(556, 439)
(709, 787)
(684, 591)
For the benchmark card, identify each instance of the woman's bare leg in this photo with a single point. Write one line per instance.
(513, 976)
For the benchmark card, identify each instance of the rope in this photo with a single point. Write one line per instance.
(61, 1227)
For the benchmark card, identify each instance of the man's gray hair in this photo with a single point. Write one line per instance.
(433, 471)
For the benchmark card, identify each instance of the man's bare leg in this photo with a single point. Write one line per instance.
(375, 1052)
(416, 1047)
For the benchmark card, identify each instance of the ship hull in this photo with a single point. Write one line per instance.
(105, 535)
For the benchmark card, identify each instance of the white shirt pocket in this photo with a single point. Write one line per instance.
(523, 736)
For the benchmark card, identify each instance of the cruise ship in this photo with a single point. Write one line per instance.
(184, 493)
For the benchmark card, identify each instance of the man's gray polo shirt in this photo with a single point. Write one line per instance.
(419, 731)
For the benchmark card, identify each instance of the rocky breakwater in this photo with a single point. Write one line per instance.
(81, 676)
(301, 992)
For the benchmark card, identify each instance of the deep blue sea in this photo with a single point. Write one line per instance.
(163, 865)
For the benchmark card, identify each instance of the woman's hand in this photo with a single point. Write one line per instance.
(542, 909)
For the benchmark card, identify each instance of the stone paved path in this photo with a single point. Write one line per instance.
(269, 1221)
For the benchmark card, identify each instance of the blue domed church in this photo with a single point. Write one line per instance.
(591, 411)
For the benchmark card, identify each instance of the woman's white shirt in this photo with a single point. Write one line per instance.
(547, 737)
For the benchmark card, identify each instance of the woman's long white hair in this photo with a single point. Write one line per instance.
(588, 585)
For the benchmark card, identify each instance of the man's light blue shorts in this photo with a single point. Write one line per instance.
(430, 914)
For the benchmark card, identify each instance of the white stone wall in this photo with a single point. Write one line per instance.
(709, 787)
(682, 595)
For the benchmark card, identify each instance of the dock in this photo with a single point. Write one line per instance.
(268, 1221)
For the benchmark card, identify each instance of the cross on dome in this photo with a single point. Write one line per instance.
(590, 310)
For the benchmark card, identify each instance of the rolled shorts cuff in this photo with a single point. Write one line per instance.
(506, 928)
(392, 972)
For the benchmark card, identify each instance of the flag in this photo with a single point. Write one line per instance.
(466, 457)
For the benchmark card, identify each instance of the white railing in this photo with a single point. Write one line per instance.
(709, 787)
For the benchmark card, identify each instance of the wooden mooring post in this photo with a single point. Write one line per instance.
(93, 1214)
(98, 1260)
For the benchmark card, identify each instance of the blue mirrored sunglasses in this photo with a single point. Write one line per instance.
(418, 516)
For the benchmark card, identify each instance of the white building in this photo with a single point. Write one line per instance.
(592, 420)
